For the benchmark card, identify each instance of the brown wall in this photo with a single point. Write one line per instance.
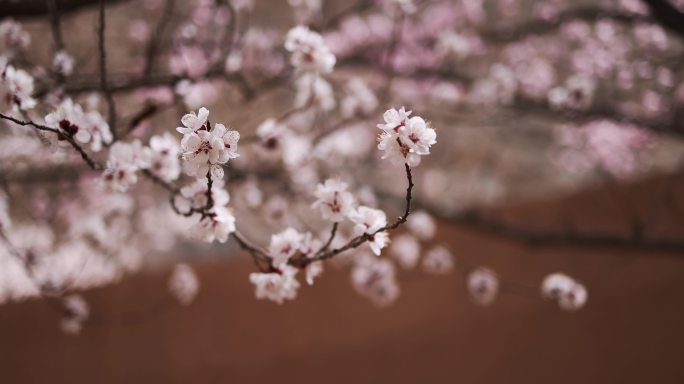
(630, 332)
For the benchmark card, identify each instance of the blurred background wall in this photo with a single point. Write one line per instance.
(629, 332)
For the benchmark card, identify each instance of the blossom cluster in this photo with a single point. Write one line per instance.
(405, 138)
(204, 148)
(183, 284)
(309, 51)
(566, 291)
(85, 127)
(16, 88)
(336, 203)
(423, 54)
(76, 311)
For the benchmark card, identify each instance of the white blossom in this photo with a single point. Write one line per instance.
(76, 312)
(69, 119)
(195, 195)
(284, 245)
(394, 119)
(312, 271)
(406, 250)
(271, 133)
(125, 159)
(276, 286)
(333, 200)
(204, 150)
(578, 93)
(406, 6)
(164, 152)
(454, 44)
(194, 122)
(309, 51)
(13, 36)
(217, 224)
(298, 150)
(369, 220)
(305, 10)
(199, 93)
(250, 193)
(313, 89)
(405, 139)
(5, 219)
(438, 260)
(359, 100)
(376, 279)
(183, 283)
(570, 294)
(16, 89)
(422, 225)
(309, 245)
(98, 128)
(483, 286)
(63, 63)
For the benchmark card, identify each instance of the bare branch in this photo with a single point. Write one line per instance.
(103, 71)
(34, 8)
(155, 39)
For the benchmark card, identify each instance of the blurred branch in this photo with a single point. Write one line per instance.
(539, 26)
(155, 39)
(55, 24)
(111, 107)
(125, 84)
(84, 155)
(41, 175)
(667, 15)
(32, 8)
(475, 221)
(334, 20)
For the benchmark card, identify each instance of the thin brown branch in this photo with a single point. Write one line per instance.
(145, 113)
(358, 240)
(334, 20)
(84, 155)
(667, 15)
(104, 85)
(230, 36)
(155, 40)
(333, 232)
(55, 24)
(155, 179)
(474, 221)
(36, 8)
(258, 255)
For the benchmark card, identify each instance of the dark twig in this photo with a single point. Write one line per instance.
(155, 39)
(358, 240)
(145, 113)
(84, 155)
(333, 232)
(471, 220)
(334, 20)
(258, 255)
(103, 71)
(55, 24)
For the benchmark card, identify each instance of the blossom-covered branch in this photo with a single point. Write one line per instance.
(290, 156)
